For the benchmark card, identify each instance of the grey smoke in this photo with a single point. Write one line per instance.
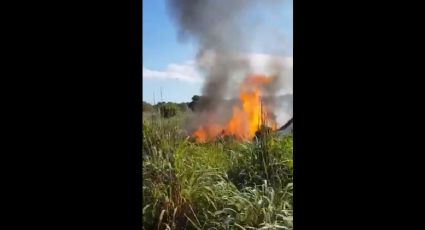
(215, 24)
(220, 30)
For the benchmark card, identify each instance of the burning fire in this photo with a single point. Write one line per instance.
(247, 117)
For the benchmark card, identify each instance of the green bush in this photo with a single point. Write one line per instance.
(168, 109)
(147, 107)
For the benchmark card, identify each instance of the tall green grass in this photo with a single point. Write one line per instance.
(219, 185)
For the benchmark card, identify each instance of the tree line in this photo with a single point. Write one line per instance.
(170, 109)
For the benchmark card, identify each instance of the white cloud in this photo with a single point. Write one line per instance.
(184, 72)
(188, 71)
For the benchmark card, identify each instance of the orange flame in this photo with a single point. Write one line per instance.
(246, 118)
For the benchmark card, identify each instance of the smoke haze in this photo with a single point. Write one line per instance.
(224, 34)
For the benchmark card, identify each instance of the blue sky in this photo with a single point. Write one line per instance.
(166, 61)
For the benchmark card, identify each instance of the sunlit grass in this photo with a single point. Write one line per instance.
(219, 185)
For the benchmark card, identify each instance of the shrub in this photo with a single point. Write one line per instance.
(168, 110)
(147, 107)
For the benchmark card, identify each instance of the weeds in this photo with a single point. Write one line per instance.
(218, 185)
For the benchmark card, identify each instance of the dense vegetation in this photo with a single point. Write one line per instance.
(220, 185)
(196, 102)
